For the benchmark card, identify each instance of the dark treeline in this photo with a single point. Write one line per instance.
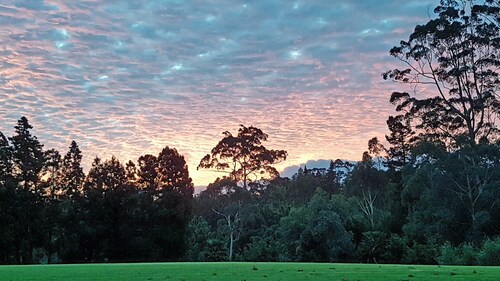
(430, 193)
(52, 212)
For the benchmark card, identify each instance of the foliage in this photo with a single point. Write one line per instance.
(421, 254)
(395, 249)
(457, 55)
(244, 155)
(490, 252)
(431, 197)
(465, 254)
(368, 185)
(452, 196)
(469, 254)
(72, 171)
(402, 139)
(314, 233)
(371, 247)
(28, 156)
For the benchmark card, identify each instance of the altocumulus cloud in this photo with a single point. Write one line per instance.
(129, 77)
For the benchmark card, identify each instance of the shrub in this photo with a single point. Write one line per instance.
(421, 254)
(260, 249)
(490, 252)
(449, 254)
(372, 246)
(395, 249)
(469, 254)
(465, 254)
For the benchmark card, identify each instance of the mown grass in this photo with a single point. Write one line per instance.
(245, 271)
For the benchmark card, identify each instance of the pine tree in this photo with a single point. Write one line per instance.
(28, 154)
(52, 174)
(73, 175)
(6, 163)
(402, 140)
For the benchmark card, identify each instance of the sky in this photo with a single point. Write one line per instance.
(128, 77)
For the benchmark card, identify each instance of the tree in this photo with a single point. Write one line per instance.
(52, 191)
(6, 161)
(52, 173)
(368, 185)
(457, 54)
(224, 198)
(167, 171)
(72, 171)
(314, 232)
(104, 190)
(172, 172)
(131, 172)
(202, 244)
(109, 175)
(244, 155)
(8, 202)
(474, 178)
(374, 153)
(224, 191)
(28, 154)
(304, 184)
(169, 189)
(231, 225)
(28, 160)
(147, 172)
(402, 139)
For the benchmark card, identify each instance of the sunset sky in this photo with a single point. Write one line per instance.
(128, 77)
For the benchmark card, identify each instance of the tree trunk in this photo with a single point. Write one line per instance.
(231, 243)
(231, 227)
(49, 246)
(245, 178)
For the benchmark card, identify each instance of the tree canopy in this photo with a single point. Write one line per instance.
(457, 55)
(243, 156)
(431, 196)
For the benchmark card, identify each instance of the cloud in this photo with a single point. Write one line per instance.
(129, 77)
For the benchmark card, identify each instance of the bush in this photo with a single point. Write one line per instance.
(490, 252)
(260, 250)
(469, 255)
(464, 254)
(371, 247)
(449, 254)
(395, 249)
(421, 254)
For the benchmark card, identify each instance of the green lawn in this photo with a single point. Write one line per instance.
(245, 271)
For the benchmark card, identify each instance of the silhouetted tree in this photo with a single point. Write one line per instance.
(336, 175)
(6, 161)
(402, 140)
(28, 160)
(72, 171)
(458, 55)
(52, 173)
(169, 189)
(105, 189)
(147, 172)
(172, 172)
(244, 155)
(131, 172)
(28, 154)
(52, 192)
(8, 202)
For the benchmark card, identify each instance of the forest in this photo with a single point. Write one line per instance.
(429, 193)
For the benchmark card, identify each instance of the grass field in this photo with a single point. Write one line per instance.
(245, 271)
